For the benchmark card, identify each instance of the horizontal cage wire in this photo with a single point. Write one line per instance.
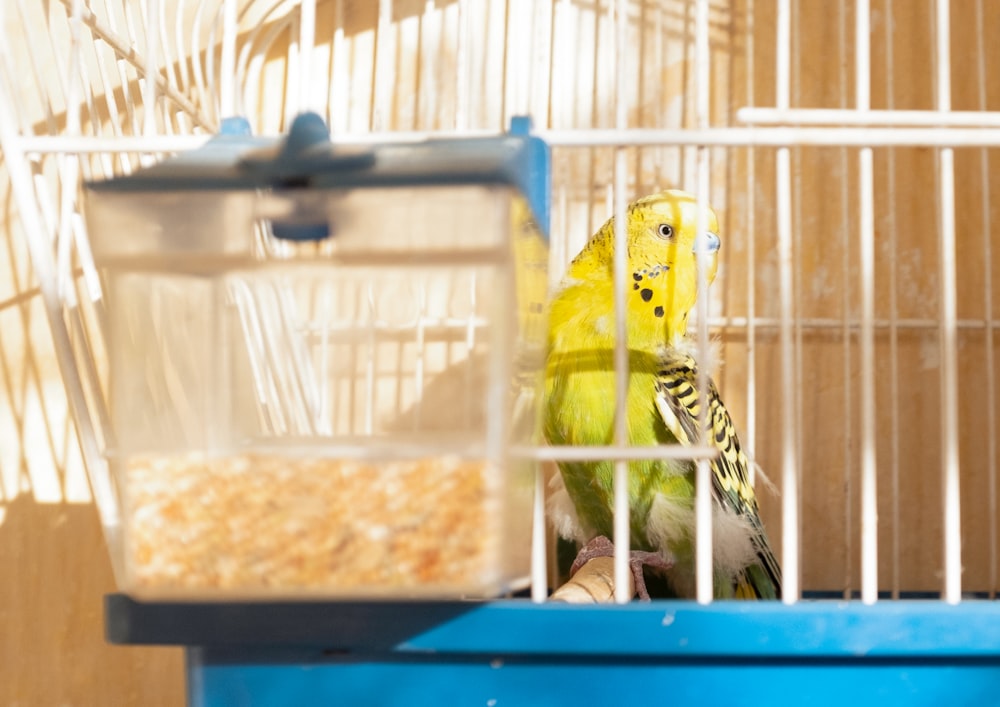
(853, 321)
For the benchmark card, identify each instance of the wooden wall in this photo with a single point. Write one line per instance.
(827, 247)
(554, 60)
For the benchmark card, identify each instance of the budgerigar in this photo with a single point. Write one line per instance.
(663, 403)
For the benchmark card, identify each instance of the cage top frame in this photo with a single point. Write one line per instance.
(306, 158)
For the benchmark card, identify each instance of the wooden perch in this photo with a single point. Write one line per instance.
(594, 583)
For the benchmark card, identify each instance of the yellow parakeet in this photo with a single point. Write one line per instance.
(663, 404)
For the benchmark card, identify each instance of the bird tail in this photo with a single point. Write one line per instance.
(761, 580)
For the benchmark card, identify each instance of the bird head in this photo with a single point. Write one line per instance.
(662, 232)
(662, 260)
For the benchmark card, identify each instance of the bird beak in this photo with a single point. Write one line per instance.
(707, 243)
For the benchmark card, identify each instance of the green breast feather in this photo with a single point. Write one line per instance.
(662, 409)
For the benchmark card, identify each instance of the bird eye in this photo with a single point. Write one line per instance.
(665, 230)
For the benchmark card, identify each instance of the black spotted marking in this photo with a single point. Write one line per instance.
(637, 276)
(635, 286)
(646, 294)
(658, 311)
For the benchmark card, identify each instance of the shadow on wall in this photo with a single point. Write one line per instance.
(56, 570)
(54, 567)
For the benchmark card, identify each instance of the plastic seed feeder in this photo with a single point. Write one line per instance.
(320, 359)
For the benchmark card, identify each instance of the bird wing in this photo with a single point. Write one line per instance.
(679, 406)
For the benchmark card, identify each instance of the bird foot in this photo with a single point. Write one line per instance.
(638, 559)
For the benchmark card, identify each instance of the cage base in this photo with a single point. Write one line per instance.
(516, 652)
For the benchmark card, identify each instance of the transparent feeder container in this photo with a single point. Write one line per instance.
(319, 365)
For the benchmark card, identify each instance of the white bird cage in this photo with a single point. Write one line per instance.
(847, 147)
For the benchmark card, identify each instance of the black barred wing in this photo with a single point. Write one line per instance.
(678, 403)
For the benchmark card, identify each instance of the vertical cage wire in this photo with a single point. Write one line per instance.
(307, 34)
(149, 90)
(750, 423)
(704, 588)
(227, 64)
(622, 512)
(866, 232)
(948, 331)
(789, 461)
(797, 277)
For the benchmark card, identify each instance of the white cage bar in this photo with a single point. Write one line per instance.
(622, 512)
(869, 489)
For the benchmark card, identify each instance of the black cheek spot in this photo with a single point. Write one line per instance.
(635, 286)
(658, 311)
(636, 276)
(646, 294)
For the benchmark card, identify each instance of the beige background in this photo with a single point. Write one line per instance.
(416, 71)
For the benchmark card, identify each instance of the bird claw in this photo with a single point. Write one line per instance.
(638, 559)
